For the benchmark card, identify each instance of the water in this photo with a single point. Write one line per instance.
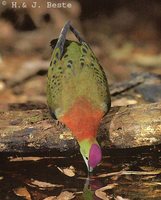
(22, 174)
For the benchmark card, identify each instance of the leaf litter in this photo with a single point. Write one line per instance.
(22, 192)
(43, 185)
(120, 173)
(69, 171)
(63, 196)
(101, 194)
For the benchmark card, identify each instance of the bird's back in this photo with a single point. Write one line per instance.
(77, 75)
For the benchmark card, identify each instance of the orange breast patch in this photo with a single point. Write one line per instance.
(83, 119)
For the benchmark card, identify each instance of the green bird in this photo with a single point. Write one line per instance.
(77, 92)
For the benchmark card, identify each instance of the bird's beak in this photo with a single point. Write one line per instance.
(90, 169)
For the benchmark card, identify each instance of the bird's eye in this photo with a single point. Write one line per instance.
(87, 158)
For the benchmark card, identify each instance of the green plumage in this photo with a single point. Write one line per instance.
(77, 73)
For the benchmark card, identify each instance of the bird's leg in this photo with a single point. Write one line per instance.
(62, 37)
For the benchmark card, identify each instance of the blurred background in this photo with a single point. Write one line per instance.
(125, 36)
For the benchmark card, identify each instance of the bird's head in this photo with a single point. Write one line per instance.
(91, 153)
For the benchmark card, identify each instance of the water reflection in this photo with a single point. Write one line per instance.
(142, 186)
(91, 185)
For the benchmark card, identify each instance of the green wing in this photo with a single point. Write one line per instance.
(98, 78)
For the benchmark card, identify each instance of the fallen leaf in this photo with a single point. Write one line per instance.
(152, 184)
(25, 159)
(148, 168)
(120, 198)
(79, 192)
(43, 185)
(22, 192)
(102, 195)
(110, 174)
(120, 173)
(50, 198)
(108, 187)
(68, 171)
(115, 178)
(158, 171)
(65, 196)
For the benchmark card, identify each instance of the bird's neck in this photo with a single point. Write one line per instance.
(87, 143)
(83, 118)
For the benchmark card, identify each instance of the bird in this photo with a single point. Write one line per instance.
(77, 92)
